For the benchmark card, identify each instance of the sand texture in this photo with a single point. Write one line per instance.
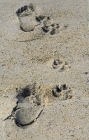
(44, 68)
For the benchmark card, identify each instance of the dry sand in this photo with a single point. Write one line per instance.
(44, 92)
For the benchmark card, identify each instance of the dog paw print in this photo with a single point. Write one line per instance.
(60, 64)
(54, 29)
(62, 92)
(50, 27)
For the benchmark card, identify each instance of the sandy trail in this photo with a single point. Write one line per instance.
(44, 92)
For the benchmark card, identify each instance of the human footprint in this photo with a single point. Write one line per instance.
(28, 17)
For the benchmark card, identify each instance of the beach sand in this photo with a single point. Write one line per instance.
(44, 59)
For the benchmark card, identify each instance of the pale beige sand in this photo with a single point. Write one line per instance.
(29, 57)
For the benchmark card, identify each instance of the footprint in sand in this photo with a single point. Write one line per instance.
(33, 99)
(29, 106)
(63, 92)
(61, 65)
(50, 27)
(30, 18)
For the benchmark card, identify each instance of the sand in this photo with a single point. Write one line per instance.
(44, 59)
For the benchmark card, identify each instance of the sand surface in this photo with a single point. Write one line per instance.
(44, 68)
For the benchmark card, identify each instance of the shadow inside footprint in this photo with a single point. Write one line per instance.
(45, 29)
(22, 9)
(40, 18)
(23, 93)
